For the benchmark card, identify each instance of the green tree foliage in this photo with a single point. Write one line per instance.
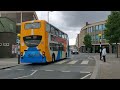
(112, 32)
(87, 41)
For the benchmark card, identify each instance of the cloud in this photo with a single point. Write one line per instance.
(79, 18)
(71, 22)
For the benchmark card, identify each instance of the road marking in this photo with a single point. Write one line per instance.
(72, 62)
(86, 76)
(20, 69)
(34, 71)
(49, 70)
(7, 69)
(84, 72)
(22, 77)
(65, 71)
(90, 58)
(61, 62)
(85, 62)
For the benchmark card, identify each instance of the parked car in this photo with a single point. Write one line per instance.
(75, 51)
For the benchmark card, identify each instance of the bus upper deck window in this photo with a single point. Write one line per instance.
(34, 25)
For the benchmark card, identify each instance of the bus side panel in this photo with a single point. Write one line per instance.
(47, 47)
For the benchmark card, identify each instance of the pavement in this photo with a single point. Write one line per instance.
(107, 70)
(8, 62)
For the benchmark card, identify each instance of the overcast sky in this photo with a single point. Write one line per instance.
(71, 22)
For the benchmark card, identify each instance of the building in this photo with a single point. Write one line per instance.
(10, 23)
(19, 16)
(94, 29)
(77, 42)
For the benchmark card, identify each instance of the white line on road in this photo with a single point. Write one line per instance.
(84, 72)
(34, 71)
(72, 62)
(60, 62)
(8, 69)
(49, 70)
(85, 62)
(65, 71)
(90, 58)
(22, 77)
(86, 76)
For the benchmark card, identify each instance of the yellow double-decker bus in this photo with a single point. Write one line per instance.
(41, 42)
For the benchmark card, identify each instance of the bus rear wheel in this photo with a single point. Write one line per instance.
(66, 55)
(53, 58)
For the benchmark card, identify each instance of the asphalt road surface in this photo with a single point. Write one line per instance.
(76, 67)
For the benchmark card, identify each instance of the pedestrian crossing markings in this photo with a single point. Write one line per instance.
(72, 62)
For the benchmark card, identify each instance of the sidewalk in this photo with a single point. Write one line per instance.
(8, 62)
(109, 69)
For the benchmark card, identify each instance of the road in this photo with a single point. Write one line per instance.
(79, 66)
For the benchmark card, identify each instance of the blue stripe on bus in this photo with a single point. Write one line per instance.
(28, 58)
(59, 55)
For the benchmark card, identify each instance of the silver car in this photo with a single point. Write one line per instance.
(75, 51)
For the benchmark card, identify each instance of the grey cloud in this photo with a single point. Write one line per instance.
(79, 18)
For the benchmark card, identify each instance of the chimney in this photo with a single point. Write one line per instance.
(87, 23)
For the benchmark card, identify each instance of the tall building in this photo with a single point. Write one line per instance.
(10, 23)
(77, 42)
(94, 29)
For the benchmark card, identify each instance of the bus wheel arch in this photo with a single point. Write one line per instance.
(53, 57)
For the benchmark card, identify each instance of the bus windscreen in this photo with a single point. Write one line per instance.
(32, 41)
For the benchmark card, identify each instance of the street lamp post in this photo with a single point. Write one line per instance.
(48, 15)
(100, 46)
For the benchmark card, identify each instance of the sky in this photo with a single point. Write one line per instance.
(71, 22)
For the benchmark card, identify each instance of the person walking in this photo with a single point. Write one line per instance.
(104, 54)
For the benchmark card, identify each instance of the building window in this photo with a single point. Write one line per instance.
(91, 29)
(87, 30)
(97, 38)
(96, 27)
(100, 27)
(104, 27)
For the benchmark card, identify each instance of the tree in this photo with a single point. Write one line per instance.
(112, 32)
(87, 41)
